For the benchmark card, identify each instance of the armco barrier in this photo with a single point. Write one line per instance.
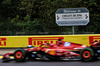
(23, 41)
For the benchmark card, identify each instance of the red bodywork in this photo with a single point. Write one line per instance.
(64, 50)
(95, 44)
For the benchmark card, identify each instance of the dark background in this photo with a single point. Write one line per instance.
(37, 17)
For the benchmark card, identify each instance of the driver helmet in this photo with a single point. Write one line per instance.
(29, 46)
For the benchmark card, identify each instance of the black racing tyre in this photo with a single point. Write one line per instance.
(87, 54)
(19, 55)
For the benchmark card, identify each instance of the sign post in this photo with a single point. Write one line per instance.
(72, 17)
(73, 29)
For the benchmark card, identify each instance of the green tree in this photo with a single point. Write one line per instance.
(34, 16)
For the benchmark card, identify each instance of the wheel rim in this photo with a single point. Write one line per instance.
(86, 54)
(18, 55)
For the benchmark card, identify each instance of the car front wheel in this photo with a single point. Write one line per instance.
(19, 55)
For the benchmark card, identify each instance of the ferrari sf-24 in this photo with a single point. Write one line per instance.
(60, 51)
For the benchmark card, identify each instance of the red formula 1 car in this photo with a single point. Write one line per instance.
(47, 51)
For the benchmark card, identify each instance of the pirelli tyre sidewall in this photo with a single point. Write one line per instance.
(19, 55)
(87, 54)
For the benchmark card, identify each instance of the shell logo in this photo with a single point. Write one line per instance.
(2, 41)
(37, 41)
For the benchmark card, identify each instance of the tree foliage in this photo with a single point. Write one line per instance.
(38, 16)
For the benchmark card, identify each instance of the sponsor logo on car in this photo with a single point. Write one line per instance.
(40, 40)
(93, 38)
(2, 41)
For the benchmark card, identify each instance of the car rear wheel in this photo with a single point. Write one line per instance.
(19, 55)
(87, 54)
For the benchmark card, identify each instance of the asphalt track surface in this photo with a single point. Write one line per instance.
(50, 63)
